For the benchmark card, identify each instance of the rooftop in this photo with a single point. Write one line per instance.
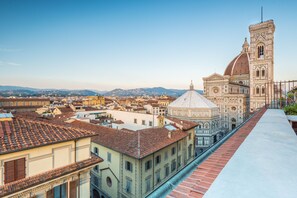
(137, 144)
(28, 182)
(23, 99)
(19, 134)
(183, 124)
(192, 99)
(265, 163)
(259, 160)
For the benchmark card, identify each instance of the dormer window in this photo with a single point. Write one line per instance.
(261, 51)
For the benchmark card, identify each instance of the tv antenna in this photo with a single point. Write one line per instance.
(261, 14)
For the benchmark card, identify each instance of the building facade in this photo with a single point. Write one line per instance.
(43, 160)
(261, 62)
(91, 101)
(194, 107)
(243, 86)
(137, 162)
(232, 98)
(23, 104)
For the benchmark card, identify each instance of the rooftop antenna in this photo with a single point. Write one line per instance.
(261, 14)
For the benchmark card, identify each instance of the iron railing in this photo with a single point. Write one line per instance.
(280, 94)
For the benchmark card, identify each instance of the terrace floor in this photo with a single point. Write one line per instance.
(259, 160)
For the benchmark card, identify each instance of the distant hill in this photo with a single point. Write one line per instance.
(155, 91)
(28, 91)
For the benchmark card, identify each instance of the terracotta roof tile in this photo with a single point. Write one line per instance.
(23, 99)
(20, 134)
(186, 125)
(28, 182)
(137, 144)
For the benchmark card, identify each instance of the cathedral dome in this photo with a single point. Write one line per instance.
(192, 105)
(192, 99)
(240, 64)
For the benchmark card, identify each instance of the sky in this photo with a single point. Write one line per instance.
(108, 44)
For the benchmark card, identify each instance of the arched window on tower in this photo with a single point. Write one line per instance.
(261, 51)
(257, 73)
(263, 72)
(257, 90)
(263, 90)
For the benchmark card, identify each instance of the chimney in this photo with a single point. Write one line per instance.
(169, 134)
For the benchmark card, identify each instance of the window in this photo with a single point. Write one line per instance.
(167, 170)
(261, 51)
(108, 182)
(173, 151)
(257, 90)
(135, 121)
(158, 177)
(14, 170)
(173, 165)
(96, 168)
(257, 73)
(108, 157)
(96, 150)
(148, 165)
(129, 166)
(166, 155)
(263, 72)
(200, 141)
(96, 182)
(190, 136)
(263, 90)
(148, 184)
(190, 151)
(128, 185)
(151, 123)
(143, 122)
(178, 161)
(206, 141)
(158, 159)
(60, 191)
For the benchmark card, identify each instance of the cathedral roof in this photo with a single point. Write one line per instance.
(192, 99)
(240, 64)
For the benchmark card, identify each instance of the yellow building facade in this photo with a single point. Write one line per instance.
(137, 162)
(45, 162)
(90, 101)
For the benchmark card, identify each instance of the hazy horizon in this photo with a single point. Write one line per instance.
(104, 45)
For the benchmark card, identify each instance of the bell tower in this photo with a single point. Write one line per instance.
(261, 62)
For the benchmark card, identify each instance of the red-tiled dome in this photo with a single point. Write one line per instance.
(239, 65)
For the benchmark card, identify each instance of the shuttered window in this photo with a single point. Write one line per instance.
(73, 187)
(14, 170)
(50, 194)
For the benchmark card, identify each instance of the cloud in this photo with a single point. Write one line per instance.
(9, 50)
(5, 63)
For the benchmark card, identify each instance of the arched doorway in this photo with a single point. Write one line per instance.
(214, 138)
(96, 194)
(233, 123)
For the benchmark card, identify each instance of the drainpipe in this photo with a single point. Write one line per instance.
(153, 171)
(176, 156)
(75, 151)
(78, 185)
